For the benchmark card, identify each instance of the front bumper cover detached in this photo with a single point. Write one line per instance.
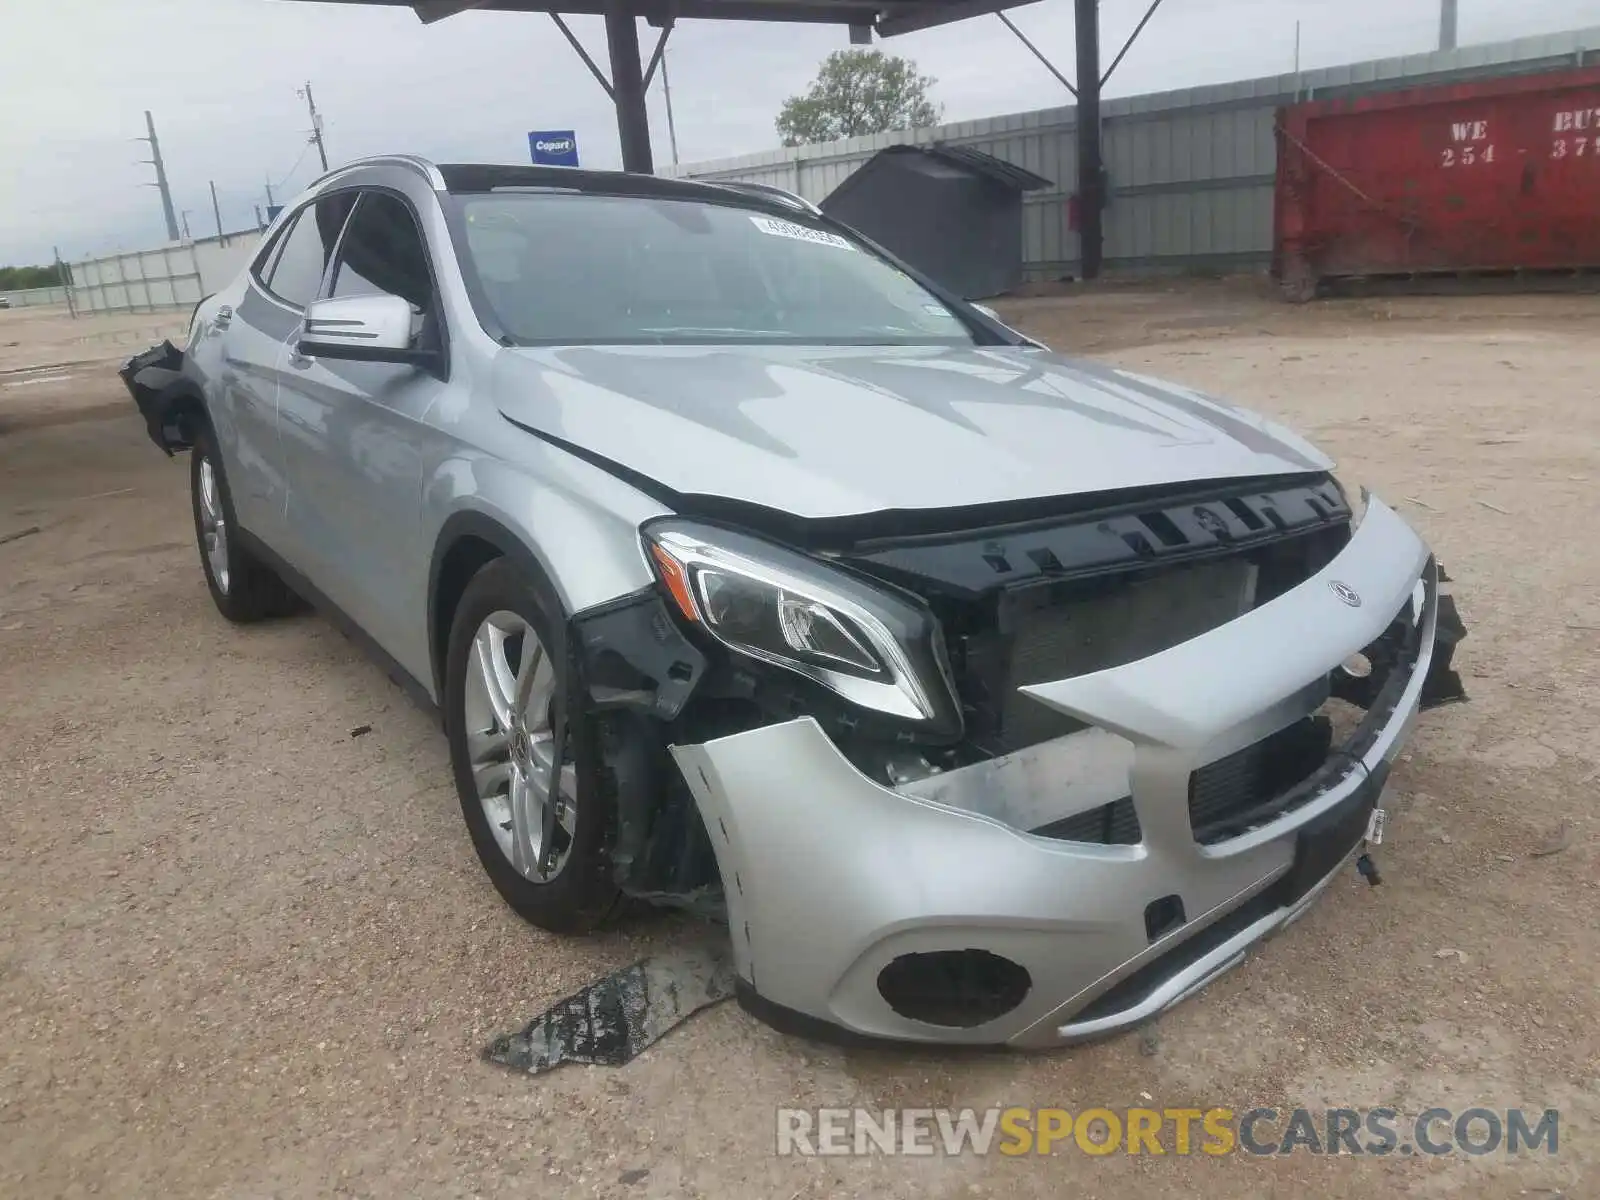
(835, 883)
(156, 382)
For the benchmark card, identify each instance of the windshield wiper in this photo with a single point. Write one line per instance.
(714, 331)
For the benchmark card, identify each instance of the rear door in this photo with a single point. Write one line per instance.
(280, 284)
(354, 438)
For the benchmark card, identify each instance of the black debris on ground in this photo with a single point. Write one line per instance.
(609, 1022)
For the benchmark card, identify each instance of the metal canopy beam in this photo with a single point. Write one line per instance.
(1037, 53)
(629, 78)
(627, 88)
(910, 18)
(885, 17)
(1132, 38)
(594, 69)
(655, 59)
(1091, 175)
(429, 11)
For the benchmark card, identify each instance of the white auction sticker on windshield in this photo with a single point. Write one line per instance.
(800, 233)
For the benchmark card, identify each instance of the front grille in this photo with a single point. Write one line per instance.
(1128, 575)
(1125, 619)
(1114, 824)
(1248, 780)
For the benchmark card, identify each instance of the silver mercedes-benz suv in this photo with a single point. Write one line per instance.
(987, 696)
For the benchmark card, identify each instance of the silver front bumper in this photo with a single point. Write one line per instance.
(831, 876)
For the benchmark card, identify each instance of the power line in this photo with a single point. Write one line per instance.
(304, 150)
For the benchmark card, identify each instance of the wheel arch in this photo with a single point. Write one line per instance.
(467, 542)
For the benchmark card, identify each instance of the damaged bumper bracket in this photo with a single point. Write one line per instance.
(157, 384)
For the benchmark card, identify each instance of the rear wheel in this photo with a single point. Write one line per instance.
(541, 830)
(243, 588)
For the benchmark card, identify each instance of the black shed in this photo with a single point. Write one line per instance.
(953, 213)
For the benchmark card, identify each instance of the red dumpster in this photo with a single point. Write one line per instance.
(1494, 175)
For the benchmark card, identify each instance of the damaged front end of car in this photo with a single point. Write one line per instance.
(1024, 781)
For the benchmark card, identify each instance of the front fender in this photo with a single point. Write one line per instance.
(574, 526)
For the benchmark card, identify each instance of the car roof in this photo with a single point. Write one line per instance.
(487, 177)
(481, 178)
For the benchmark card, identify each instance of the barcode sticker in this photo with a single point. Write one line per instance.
(800, 233)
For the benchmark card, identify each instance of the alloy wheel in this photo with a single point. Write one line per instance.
(213, 526)
(510, 687)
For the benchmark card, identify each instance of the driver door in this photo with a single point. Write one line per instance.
(354, 439)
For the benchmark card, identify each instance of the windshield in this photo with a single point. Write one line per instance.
(574, 269)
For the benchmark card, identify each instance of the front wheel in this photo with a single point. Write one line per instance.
(243, 588)
(541, 829)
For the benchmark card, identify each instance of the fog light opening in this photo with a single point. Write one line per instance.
(958, 989)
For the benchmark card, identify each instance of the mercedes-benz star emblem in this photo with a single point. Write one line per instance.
(1345, 592)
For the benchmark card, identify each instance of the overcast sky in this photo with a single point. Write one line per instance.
(221, 78)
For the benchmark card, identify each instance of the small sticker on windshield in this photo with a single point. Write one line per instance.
(800, 233)
(938, 310)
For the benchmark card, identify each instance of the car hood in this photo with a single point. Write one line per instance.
(819, 432)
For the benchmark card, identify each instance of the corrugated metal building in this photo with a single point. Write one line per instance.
(1191, 171)
(174, 276)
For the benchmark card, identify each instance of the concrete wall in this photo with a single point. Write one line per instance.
(172, 276)
(34, 296)
(1190, 172)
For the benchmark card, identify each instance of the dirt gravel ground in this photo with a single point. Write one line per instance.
(245, 954)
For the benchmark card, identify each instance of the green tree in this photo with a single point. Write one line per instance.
(857, 92)
(20, 279)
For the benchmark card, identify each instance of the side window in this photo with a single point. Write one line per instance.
(296, 275)
(262, 267)
(383, 254)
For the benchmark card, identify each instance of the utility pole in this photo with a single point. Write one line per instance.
(316, 125)
(270, 201)
(666, 91)
(161, 176)
(1091, 174)
(1447, 24)
(216, 210)
(187, 236)
(64, 275)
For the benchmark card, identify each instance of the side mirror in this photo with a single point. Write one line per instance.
(361, 329)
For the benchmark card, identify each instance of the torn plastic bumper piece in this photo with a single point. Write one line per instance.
(1443, 684)
(156, 381)
(637, 672)
(609, 1022)
(849, 901)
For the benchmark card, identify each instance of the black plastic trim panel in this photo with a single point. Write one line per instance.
(1127, 536)
(634, 655)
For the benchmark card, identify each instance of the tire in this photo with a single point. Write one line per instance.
(243, 588)
(572, 890)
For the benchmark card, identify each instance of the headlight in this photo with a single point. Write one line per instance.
(1356, 498)
(873, 647)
